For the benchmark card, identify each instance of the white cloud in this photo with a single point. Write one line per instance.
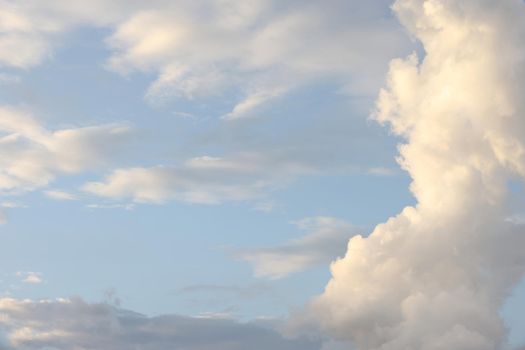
(262, 51)
(193, 47)
(435, 276)
(326, 240)
(382, 171)
(205, 179)
(8, 205)
(30, 277)
(254, 100)
(111, 206)
(22, 40)
(12, 205)
(60, 195)
(31, 155)
(75, 324)
(257, 53)
(31, 29)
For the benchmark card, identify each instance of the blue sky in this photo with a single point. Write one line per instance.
(203, 159)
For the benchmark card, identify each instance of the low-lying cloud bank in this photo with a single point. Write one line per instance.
(66, 324)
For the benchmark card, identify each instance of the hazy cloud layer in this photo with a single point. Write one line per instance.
(252, 53)
(66, 324)
(265, 48)
(435, 276)
(262, 49)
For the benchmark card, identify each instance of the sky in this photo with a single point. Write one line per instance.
(223, 174)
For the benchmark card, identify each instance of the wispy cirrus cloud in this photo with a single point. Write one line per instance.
(60, 195)
(208, 180)
(259, 50)
(326, 239)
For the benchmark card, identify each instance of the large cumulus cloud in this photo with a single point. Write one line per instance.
(435, 276)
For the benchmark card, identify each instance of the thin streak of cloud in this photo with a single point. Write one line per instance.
(325, 241)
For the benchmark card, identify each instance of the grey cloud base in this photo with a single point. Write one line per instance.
(75, 324)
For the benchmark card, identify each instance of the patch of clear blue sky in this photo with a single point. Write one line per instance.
(150, 252)
(514, 316)
(148, 255)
